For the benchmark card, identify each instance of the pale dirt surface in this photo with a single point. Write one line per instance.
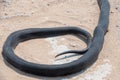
(21, 14)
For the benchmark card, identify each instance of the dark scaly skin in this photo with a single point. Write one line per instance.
(90, 53)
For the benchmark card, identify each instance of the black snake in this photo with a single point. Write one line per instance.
(90, 54)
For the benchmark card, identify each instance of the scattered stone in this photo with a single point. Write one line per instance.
(7, 1)
(68, 11)
(111, 12)
(73, 45)
(48, 4)
(6, 14)
(117, 8)
(117, 26)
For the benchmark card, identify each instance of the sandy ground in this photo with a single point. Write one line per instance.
(21, 14)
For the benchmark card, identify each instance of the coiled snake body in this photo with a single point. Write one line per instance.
(90, 54)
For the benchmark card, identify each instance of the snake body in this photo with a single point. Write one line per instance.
(90, 54)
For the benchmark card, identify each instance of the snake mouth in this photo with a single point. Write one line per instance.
(90, 54)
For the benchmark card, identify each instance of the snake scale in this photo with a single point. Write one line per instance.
(90, 54)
